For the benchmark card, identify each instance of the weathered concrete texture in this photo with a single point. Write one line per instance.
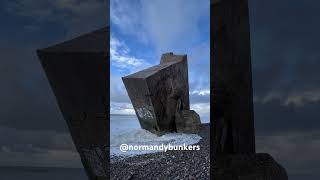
(158, 92)
(77, 72)
(248, 167)
(169, 57)
(187, 121)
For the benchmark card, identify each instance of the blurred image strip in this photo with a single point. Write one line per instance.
(160, 88)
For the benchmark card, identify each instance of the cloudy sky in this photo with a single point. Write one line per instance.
(143, 30)
(285, 59)
(286, 80)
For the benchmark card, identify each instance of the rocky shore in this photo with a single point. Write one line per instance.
(166, 165)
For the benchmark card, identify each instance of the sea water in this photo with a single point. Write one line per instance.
(125, 129)
(41, 173)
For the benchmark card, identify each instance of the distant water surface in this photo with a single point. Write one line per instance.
(304, 176)
(123, 123)
(41, 173)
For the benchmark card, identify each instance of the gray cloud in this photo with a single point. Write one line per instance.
(285, 64)
(285, 57)
(297, 151)
(274, 117)
(284, 50)
(128, 17)
(163, 23)
(22, 140)
(37, 148)
(71, 14)
(171, 24)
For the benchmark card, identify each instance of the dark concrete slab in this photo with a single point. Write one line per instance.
(158, 92)
(232, 98)
(231, 78)
(77, 72)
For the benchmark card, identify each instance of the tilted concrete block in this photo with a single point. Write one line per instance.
(158, 92)
(232, 95)
(77, 72)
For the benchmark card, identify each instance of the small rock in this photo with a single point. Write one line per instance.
(187, 121)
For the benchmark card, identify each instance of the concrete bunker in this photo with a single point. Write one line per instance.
(160, 96)
(77, 72)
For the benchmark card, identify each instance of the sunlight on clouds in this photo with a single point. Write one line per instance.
(118, 92)
(201, 108)
(120, 58)
(121, 108)
(158, 21)
(127, 16)
(200, 92)
(297, 99)
(303, 98)
(173, 24)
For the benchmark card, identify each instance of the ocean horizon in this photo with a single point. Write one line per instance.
(41, 173)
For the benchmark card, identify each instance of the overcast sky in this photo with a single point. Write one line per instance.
(285, 59)
(286, 81)
(143, 30)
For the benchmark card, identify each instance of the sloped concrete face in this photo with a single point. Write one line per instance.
(158, 92)
(77, 72)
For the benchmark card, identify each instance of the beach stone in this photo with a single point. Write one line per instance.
(187, 121)
(160, 91)
(175, 165)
